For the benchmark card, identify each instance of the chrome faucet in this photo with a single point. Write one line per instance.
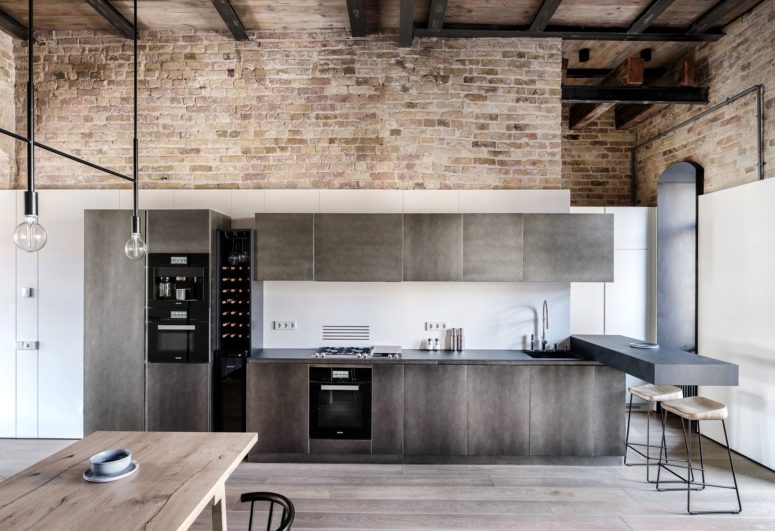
(545, 325)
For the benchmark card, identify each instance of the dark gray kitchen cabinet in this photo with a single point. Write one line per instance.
(114, 325)
(178, 397)
(387, 421)
(179, 231)
(358, 247)
(433, 247)
(569, 247)
(498, 416)
(435, 410)
(278, 407)
(284, 244)
(562, 398)
(492, 247)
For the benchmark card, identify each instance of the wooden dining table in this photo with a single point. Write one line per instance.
(180, 474)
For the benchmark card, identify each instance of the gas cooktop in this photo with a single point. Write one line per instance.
(358, 352)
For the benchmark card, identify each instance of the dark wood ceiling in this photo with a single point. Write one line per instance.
(320, 14)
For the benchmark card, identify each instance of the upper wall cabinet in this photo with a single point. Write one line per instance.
(179, 231)
(569, 247)
(358, 247)
(433, 247)
(492, 247)
(284, 247)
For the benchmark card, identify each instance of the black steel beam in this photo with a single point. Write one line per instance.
(544, 15)
(713, 15)
(357, 18)
(406, 28)
(231, 19)
(473, 31)
(112, 15)
(649, 15)
(638, 95)
(600, 73)
(436, 14)
(12, 27)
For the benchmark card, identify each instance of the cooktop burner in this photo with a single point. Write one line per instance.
(343, 352)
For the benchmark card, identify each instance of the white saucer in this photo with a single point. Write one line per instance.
(89, 476)
(644, 345)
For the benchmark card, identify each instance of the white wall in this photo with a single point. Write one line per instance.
(737, 310)
(41, 392)
(493, 314)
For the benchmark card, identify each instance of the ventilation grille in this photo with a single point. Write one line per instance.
(346, 332)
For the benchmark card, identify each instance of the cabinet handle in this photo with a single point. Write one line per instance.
(339, 387)
(176, 327)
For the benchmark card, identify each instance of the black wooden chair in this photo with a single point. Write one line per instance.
(288, 510)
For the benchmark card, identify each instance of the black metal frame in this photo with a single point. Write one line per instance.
(689, 481)
(289, 511)
(31, 195)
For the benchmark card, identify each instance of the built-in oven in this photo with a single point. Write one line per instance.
(340, 403)
(178, 335)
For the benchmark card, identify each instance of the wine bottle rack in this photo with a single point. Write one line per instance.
(235, 256)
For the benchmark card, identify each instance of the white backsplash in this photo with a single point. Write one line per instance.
(494, 315)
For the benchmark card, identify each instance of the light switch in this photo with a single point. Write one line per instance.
(26, 345)
(27, 293)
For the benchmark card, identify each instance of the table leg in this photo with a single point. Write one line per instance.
(219, 509)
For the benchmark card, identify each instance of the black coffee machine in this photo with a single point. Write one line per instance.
(178, 308)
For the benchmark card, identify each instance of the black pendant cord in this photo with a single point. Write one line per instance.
(135, 142)
(31, 196)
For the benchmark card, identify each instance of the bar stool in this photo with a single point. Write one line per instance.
(652, 394)
(696, 408)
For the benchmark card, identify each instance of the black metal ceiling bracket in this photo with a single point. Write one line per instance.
(113, 16)
(231, 19)
(12, 27)
(636, 95)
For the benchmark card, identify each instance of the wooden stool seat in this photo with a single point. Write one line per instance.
(697, 408)
(657, 393)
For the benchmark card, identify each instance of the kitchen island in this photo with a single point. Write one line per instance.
(474, 406)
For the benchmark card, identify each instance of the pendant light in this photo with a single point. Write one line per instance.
(30, 236)
(135, 247)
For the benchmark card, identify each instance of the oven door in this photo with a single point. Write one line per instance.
(178, 342)
(340, 410)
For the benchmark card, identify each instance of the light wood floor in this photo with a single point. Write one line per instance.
(354, 496)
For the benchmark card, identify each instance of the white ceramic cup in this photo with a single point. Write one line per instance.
(110, 462)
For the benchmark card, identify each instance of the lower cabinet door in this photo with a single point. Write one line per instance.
(177, 395)
(498, 410)
(278, 407)
(387, 399)
(435, 410)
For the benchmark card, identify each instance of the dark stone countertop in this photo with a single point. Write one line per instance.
(411, 356)
(662, 366)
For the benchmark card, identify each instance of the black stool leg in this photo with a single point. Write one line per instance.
(732, 467)
(702, 463)
(662, 446)
(688, 483)
(627, 437)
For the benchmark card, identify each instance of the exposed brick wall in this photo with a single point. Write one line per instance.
(7, 112)
(596, 162)
(724, 142)
(300, 110)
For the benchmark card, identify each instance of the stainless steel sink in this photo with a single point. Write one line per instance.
(551, 355)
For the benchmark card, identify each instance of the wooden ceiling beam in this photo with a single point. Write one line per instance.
(649, 15)
(572, 33)
(436, 14)
(114, 17)
(12, 27)
(231, 19)
(406, 27)
(544, 15)
(357, 18)
(713, 15)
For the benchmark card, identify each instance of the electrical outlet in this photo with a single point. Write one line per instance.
(26, 345)
(435, 326)
(284, 325)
